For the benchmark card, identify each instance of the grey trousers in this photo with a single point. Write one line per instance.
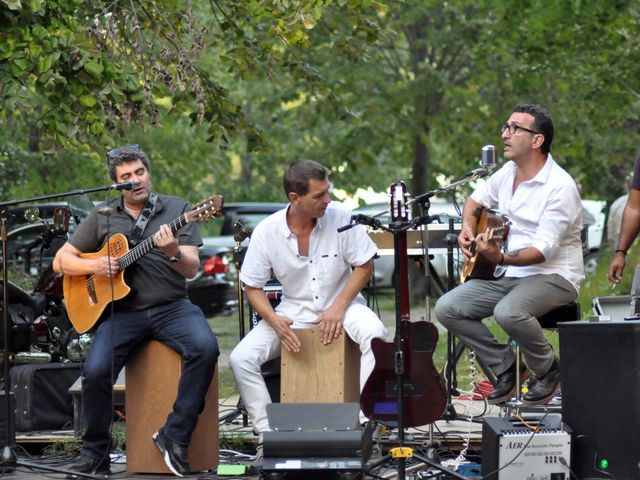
(515, 303)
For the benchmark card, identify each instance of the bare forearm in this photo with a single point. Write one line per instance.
(260, 303)
(522, 258)
(189, 261)
(471, 214)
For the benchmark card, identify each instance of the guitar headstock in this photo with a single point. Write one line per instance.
(211, 207)
(398, 201)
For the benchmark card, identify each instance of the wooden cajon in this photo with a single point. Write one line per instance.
(320, 373)
(152, 387)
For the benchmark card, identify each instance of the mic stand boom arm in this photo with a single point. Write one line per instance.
(466, 178)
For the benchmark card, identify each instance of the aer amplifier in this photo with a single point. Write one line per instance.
(511, 450)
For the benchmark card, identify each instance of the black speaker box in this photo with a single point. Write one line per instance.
(3, 420)
(600, 374)
(42, 398)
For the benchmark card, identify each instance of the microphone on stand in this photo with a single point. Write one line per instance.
(489, 158)
(128, 185)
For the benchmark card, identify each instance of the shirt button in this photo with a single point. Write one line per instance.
(316, 297)
(314, 279)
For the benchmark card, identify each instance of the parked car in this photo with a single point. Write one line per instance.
(248, 213)
(213, 289)
(593, 218)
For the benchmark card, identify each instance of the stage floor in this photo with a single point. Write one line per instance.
(451, 437)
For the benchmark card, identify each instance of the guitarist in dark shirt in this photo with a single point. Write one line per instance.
(543, 258)
(157, 308)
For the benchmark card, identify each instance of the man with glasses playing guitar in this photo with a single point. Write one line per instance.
(152, 304)
(541, 259)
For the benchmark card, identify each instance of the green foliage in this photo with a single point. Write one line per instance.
(376, 90)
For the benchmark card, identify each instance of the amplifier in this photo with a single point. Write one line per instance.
(510, 450)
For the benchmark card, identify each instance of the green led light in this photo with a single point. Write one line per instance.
(604, 464)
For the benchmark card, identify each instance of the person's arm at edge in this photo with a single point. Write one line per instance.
(629, 229)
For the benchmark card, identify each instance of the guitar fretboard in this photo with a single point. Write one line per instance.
(144, 247)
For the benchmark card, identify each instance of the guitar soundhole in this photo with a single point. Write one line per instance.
(91, 290)
(116, 249)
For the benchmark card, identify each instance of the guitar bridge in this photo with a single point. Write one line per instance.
(410, 389)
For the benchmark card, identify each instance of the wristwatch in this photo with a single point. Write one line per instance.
(175, 258)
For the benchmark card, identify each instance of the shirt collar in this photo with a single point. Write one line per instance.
(543, 174)
(320, 222)
(118, 203)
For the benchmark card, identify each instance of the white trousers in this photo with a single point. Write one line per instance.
(262, 344)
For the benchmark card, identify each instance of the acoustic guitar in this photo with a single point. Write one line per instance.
(404, 382)
(496, 226)
(86, 296)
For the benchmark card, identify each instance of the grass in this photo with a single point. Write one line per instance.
(597, 285)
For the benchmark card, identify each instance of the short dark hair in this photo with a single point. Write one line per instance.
(298, 174)
(542, 123)
(125, 154)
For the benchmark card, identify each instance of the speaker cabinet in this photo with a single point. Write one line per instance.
(600, 374)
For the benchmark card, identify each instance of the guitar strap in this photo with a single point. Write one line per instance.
(146, 213)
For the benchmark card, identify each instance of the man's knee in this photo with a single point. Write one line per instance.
(444, 310)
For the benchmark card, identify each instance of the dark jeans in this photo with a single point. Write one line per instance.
(179, 325)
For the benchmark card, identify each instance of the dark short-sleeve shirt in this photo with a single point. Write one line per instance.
(635, 181)
(153, 280)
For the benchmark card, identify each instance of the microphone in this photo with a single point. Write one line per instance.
(128, 185)
(489, 157)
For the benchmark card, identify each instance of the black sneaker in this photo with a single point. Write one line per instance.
(175, 456)
(90, 465)
(544, 388)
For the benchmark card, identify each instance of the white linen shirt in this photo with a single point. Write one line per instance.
(545, 213)
(309, 284)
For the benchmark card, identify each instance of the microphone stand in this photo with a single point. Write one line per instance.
(403, 388)
(241, 233)
(8, 459)
(454, 351)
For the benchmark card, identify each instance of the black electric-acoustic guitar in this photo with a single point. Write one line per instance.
(424, 394)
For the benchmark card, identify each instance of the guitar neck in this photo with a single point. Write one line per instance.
(144, 247)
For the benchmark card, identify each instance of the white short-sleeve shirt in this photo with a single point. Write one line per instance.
(545, 213)
(311, 283)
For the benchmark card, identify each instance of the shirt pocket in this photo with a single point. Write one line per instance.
(330, 269)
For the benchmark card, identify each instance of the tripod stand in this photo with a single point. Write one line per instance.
(404, 370)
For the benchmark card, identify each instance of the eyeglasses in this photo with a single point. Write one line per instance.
(117, 152)
(513, 129)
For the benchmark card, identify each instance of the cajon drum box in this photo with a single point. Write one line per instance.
(320, 373)
(152, 387)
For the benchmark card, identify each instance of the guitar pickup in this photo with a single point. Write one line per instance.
(411, 389)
